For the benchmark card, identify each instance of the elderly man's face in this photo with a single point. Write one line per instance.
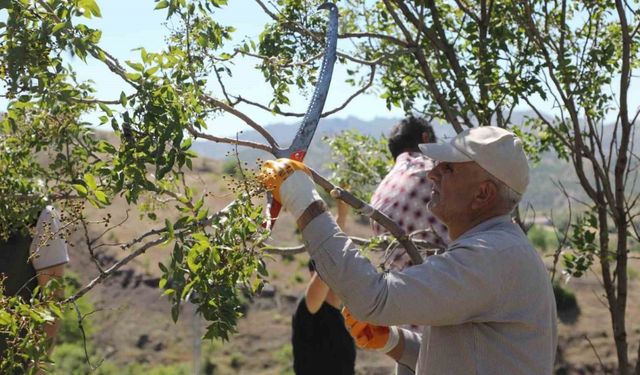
(454, 188)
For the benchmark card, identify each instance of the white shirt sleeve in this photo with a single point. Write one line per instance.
(47, 248)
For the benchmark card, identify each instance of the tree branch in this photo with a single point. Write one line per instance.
(428, 74)
(227, 108)
(359, 92)
(231, 141)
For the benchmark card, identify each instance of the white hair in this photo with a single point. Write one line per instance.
(507, 197)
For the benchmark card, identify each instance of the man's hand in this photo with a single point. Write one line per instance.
(290, 183)
(369, 336)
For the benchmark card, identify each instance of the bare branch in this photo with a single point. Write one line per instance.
(428, 74)
(594, 350)
(437, 35)
(111, 227)
(274, 60)
(227, 108)
(561, 240)
(231, 141)
(112, 269)
(84, 337)
(99, 101)
(465, 8)
(89, 244)
(222, 86)
(359, 92)
(388, 38)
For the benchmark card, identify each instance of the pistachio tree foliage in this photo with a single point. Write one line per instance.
(50, 154)
(359, 162)
(467, 63)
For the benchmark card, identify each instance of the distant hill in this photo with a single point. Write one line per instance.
(284, 133)
(543, 193)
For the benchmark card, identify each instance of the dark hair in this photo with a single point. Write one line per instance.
(311, 265)
(407, 135)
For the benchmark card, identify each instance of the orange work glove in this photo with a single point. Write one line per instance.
(290, 183)
(370, 336)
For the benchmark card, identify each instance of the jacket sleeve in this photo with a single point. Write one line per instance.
(48, 247)
(412, 342)
(453, 288)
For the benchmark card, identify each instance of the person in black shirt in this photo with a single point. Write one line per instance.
(321, 343)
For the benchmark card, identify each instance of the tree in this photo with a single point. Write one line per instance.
(466, 63)
(50, 153)
(472, 63)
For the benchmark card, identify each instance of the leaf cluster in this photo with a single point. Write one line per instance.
(22, 328)
(217, 269)
(359, 162)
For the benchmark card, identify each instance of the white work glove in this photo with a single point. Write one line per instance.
(290, 183)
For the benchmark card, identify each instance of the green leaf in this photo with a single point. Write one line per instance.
(169, 226)
(58, 27)
(90, 7)
(186, 144)
(162, 4)
(151, 71)
(5, 318)
(175, 312)
(90, 181)
(137, 66)
(144, 55)
(107, 147)
(80, 189)
(133, 76)
(123, 99)
(105, 109)
(101, 197)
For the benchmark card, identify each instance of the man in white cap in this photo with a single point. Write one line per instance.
(488, 298)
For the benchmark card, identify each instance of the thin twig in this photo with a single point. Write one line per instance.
(84, 337)
(325, 114)
(594, 350)
(213, 138)
(227, 108)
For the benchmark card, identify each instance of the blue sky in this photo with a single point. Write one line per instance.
(127, 25)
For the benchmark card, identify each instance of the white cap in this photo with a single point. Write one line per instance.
(496, 150)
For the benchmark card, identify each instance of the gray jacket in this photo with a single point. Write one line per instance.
(488, 299)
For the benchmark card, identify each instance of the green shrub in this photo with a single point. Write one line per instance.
(565, 299)
(542, 238)
(230, 167)
(284, 357)
(70, 359)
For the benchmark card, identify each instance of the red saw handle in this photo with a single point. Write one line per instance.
(275, 208)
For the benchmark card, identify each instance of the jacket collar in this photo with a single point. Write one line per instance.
(484, 226)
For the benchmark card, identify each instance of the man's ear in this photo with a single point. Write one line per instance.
(486, 195)
(426, 138)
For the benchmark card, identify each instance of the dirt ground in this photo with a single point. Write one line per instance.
(133, 324)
